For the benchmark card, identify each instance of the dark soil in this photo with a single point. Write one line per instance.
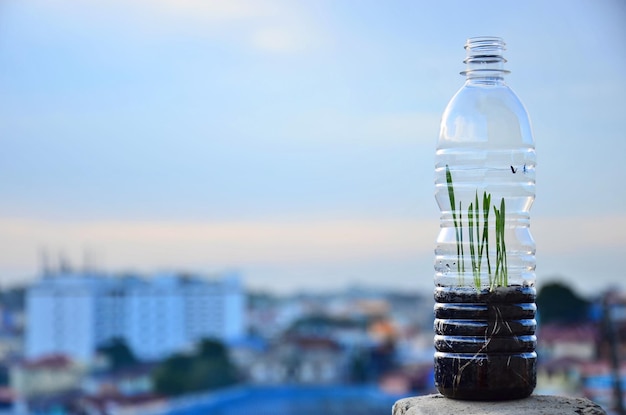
(485, 343)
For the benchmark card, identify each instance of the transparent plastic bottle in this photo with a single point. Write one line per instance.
(485, 254)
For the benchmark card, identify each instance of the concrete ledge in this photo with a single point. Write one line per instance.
(533, 405)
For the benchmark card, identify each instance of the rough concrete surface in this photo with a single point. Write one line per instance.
(533, 405)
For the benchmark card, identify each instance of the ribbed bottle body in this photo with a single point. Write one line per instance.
(485, 187)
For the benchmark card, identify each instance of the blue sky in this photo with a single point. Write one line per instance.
(293, 141)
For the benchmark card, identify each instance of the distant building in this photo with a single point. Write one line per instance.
(135, 380)
(46, 376)
(62, 316)
(302, 360)
(556, 341)
(74, 313)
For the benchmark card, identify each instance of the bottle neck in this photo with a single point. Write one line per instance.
(484, 60)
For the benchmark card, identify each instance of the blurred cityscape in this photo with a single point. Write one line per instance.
(85, 342)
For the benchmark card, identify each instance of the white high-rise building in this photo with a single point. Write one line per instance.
(61, 315)
(74, 313)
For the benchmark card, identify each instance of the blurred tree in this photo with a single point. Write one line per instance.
(209, 368)
(172, 376)
(359, 367)
(13, 298)
(4, 375)
(212, 348)
(214, 366)
(118, 353)
(558, 303)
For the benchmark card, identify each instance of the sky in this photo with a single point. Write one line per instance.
(292, 141)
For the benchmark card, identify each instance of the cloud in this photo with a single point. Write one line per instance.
(384, 129)
(205, 9)
(318, 251)
(406, 127)
(178, 244)
(211, 9)
(266, 25)
(577, 234)
(276, 241)
(278, 40)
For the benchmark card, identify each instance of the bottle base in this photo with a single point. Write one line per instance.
(485, 343)
(485, 377)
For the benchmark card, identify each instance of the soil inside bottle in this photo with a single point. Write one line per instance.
(485, 342)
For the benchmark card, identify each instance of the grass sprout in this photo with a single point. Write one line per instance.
(478, 231)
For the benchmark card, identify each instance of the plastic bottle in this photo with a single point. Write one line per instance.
(485, 254)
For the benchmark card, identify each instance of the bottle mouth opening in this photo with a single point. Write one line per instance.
(485, 42)
(485, 49)
(484, 57)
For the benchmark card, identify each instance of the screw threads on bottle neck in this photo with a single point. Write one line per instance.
(484, 59)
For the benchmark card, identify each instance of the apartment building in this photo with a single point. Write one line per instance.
(72, 313)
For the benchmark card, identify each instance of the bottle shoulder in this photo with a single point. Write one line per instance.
(482, 98)
(486, 113)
